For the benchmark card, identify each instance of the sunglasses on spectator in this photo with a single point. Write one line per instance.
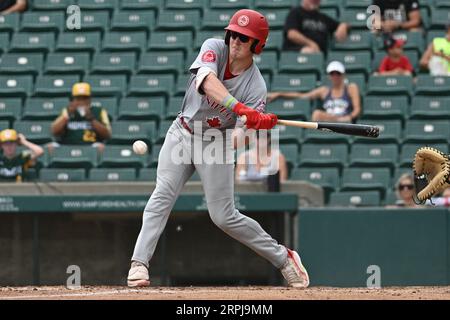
(405, 186)
(242, 38)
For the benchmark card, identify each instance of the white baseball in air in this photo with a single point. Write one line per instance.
(140, 147)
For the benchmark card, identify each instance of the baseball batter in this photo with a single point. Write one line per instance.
(224, 84)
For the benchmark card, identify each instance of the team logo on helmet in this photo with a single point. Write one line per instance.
(209, 56)
(243, 20)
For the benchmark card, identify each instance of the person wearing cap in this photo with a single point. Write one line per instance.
(13, 165)
(308, 30)
(395, 63)
(81, 123)
(340, 102)
(437, 56)
(399, 15)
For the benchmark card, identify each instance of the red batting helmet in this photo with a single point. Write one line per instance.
(252, 24)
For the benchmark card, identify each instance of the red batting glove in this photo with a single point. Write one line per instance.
(266, 121)
(252, 115)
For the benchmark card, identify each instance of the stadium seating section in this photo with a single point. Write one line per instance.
(136, 55)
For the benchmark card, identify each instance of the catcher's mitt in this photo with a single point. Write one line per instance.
(431, 172)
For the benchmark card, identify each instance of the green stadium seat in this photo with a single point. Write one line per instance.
(44, 108)
(327, 178)
(430, 107)
(357, 18)
(174, 107)
(389, 107)
(147, 174)
(326, 4)
(288, 134)
(427, 131)
(63, 63)
(201, 36)
(352, 199)
(154, 155)
(162, 131)
(184, 4)
(387, 85)
(191, 57)
(125, 41)
(431, 34)
(55, 85)
(355, 41)
(230, 4)
(16, 86)
(294, 82)
(353, 61)
(142, 4)
(425, 16)
(107, 85)
(162, 62)
(274, 41)
(267, 62)
(78, 41)
(357, 3)
(108, 5)
(408, 151)
(178, 20)
(73, 156)
(413, 57)
(268, 80)
(330, 155)
(331, 12)
(124, 132)
(113, 63)
(115, 156)
(9, 22)
(51, 4)
(390, 131)
(148, 85)
(32, 42)
(440, 17)
(133, 21)
(357, 179)
(390, 198)
(277, 4)
(429, 85)
(373, 155)
(95, 20)
(181, 85)
(110, 104)
(4, 124)
(298, 109)
(112, 175)
(43, 21)
(275, 17)
(20, 63)
(441, 4)
(35, 131)
(10, 109)
(402, 170)
(293, 62)
(179, 40)
(4, 40)
(62, 175)
(216, 19)
(291, 153)
(142, 108)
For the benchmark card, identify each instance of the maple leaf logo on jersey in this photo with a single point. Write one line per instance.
(209, 56)
(214, 122)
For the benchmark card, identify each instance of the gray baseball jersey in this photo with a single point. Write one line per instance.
(248, 88)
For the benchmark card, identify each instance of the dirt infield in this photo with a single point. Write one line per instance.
(224, 293)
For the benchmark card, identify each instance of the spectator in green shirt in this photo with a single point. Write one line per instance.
(13, 165)
(81, 123)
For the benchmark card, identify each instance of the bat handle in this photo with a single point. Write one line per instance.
(243, 119)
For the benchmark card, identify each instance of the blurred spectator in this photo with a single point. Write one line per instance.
(13, 165)
(437, 56)
(395, 63)
(341, 102)
(261, 161)
(443, 200)
(80, 123)
(10, 6)
(405, 190)
(308, 30)
(399, 14)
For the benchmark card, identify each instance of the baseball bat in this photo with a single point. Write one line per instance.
(362, 130)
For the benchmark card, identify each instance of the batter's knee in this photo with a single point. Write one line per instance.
(222, 213)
